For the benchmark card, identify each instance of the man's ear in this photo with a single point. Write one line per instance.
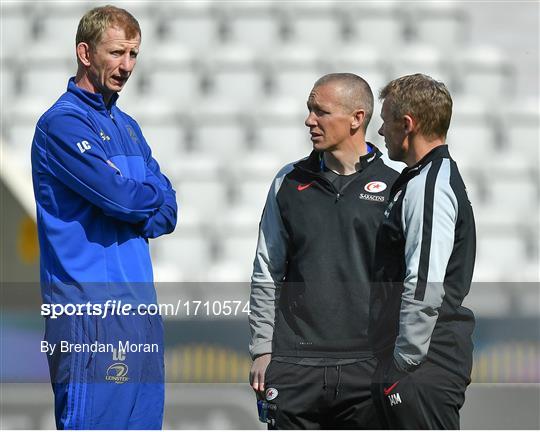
(358, 119)
(409, 123)
(83, 53)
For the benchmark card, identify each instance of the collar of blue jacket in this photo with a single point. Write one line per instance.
(95, 100)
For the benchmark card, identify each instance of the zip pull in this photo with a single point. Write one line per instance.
(338, 196)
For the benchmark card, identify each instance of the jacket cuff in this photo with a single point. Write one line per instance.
(403, 366)
(260, 349)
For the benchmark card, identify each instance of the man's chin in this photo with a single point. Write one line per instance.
(116, 87)
(393, 157)
(397, 157)
(318, 146)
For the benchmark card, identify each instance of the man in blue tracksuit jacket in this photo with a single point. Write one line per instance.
(100, 196)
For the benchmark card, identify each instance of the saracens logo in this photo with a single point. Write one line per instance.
(375, 187)
(117, 372)
(271, 394)
(368, 197)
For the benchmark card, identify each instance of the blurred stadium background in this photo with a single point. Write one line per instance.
(219, 91)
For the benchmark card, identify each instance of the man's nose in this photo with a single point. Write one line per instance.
(310, 120)
(127, 64)
(380, 132)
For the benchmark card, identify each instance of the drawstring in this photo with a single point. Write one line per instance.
(338, 368)
(325, 384)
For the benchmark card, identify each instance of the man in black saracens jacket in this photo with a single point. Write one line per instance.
(311, 275)
(424, 263)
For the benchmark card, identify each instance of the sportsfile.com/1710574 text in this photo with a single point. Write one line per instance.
(185, 308)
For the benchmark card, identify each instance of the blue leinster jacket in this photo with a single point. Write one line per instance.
(100, 196)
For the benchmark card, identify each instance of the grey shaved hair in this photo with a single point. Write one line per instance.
(355, 91)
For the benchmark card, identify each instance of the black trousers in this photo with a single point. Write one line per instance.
(319, 397)
(428, 398)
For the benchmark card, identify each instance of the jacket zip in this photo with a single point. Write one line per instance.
(337, 193)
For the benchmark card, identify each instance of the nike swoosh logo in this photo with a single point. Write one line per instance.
(388, 390)
(304, 186)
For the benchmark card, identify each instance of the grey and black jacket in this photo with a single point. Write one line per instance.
(423, 269)
(311, 274)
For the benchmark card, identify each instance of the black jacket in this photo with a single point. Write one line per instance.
(311, 276)
(423, 269)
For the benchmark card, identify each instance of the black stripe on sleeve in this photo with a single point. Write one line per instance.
(423, 265)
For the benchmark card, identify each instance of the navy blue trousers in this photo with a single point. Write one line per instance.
(121, 387)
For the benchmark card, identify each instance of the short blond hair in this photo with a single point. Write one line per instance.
(425, 99)
(96, 21)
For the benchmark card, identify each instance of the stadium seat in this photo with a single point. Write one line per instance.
(234, 74)
(222, 138)
(167, 141)
(475, 184)
(190, 24)
(10, 82)
(293, 69)
(188, 250)
(361, 59)
(196, 166)
(207, 198)
(287, 140)
(314, 24)
(229, 271)
(411, 58)
(240, 218)
(145, 107)
(513, 191)
(490, 221)
(16, 20)
(254, 24)
(380, 24)
(239, 249)
(19, 121)
(484, 71)
(56, 77)
(251, 194)
(442, 23)
(278, 128)
(218, 129)
(49, 21)
(256, 166)
(20, 134)
(503, 256)
(471, 136)
(521, 123)
(171, 74)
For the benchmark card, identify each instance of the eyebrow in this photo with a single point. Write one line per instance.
(123, 48)
(316, 105)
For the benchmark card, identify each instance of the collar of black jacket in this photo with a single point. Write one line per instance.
(408, 173)
(313, 161)
(438, 152)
